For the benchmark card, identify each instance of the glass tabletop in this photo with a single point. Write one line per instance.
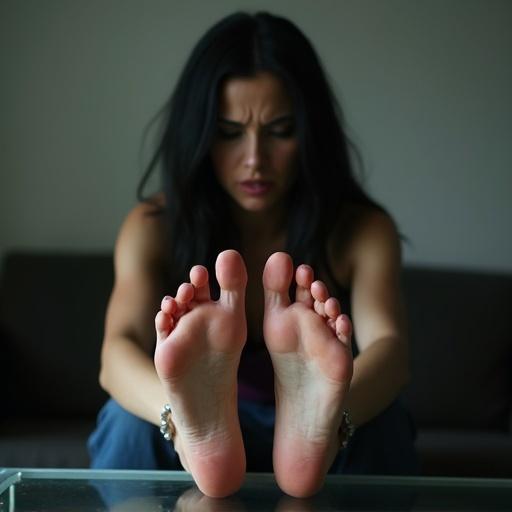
(89, 490)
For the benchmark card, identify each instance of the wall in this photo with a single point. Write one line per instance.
(426, 88)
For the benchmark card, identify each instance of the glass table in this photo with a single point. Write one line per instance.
(162, 491)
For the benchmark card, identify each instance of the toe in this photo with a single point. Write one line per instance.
(184, 294)
(319, 291)
(232, 277)
(304, 278)
(168, 305)
(318, 306)
(320, 294)
(199, 279)
(163, 324)
(332, 308)
(344, 329)
(277, 278)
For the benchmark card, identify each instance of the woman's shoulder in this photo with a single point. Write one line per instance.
(146, 219)
(362, 234)
(372, 226)
(143, 235)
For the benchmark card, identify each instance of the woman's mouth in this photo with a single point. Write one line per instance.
(255, 188)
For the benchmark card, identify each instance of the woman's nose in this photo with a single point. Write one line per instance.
(254, 152)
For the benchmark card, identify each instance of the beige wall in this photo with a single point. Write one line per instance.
(426, 86)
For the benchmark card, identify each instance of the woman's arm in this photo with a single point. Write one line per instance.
(127, 369)
(381, 369)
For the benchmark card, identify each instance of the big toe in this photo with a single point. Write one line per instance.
(277, 278)
(231, 275)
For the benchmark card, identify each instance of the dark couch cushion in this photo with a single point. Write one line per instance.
(47, 443)
(461, 348)
(52, 309)
(465, 453)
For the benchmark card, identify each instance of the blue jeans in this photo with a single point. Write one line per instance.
(383, 446)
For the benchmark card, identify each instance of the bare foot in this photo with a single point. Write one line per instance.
(199, 343)
(309, 343)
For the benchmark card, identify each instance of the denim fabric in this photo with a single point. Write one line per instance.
(383, 446)
(122, 440)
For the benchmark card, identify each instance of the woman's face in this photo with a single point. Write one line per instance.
(254, 152)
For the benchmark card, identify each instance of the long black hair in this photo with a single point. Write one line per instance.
(197, 208)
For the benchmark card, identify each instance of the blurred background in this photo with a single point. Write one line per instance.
(426, 87)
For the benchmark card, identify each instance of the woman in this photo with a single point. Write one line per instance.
(258, 189)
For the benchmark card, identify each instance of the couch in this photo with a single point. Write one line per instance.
(51, 321)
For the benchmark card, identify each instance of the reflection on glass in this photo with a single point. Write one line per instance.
(170, 491)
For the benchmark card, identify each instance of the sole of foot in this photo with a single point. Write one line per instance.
(309, 343)
(199, 342)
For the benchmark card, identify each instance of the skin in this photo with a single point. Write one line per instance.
(307, 337)
(255, 140)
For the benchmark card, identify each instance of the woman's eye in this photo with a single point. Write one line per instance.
(230, 133)
(282, 132)
(226, 133)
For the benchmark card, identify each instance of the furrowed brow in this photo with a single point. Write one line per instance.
(229, 122)
(278, 120)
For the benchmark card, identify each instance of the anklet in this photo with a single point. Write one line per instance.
(166, 425)
(346, 430)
